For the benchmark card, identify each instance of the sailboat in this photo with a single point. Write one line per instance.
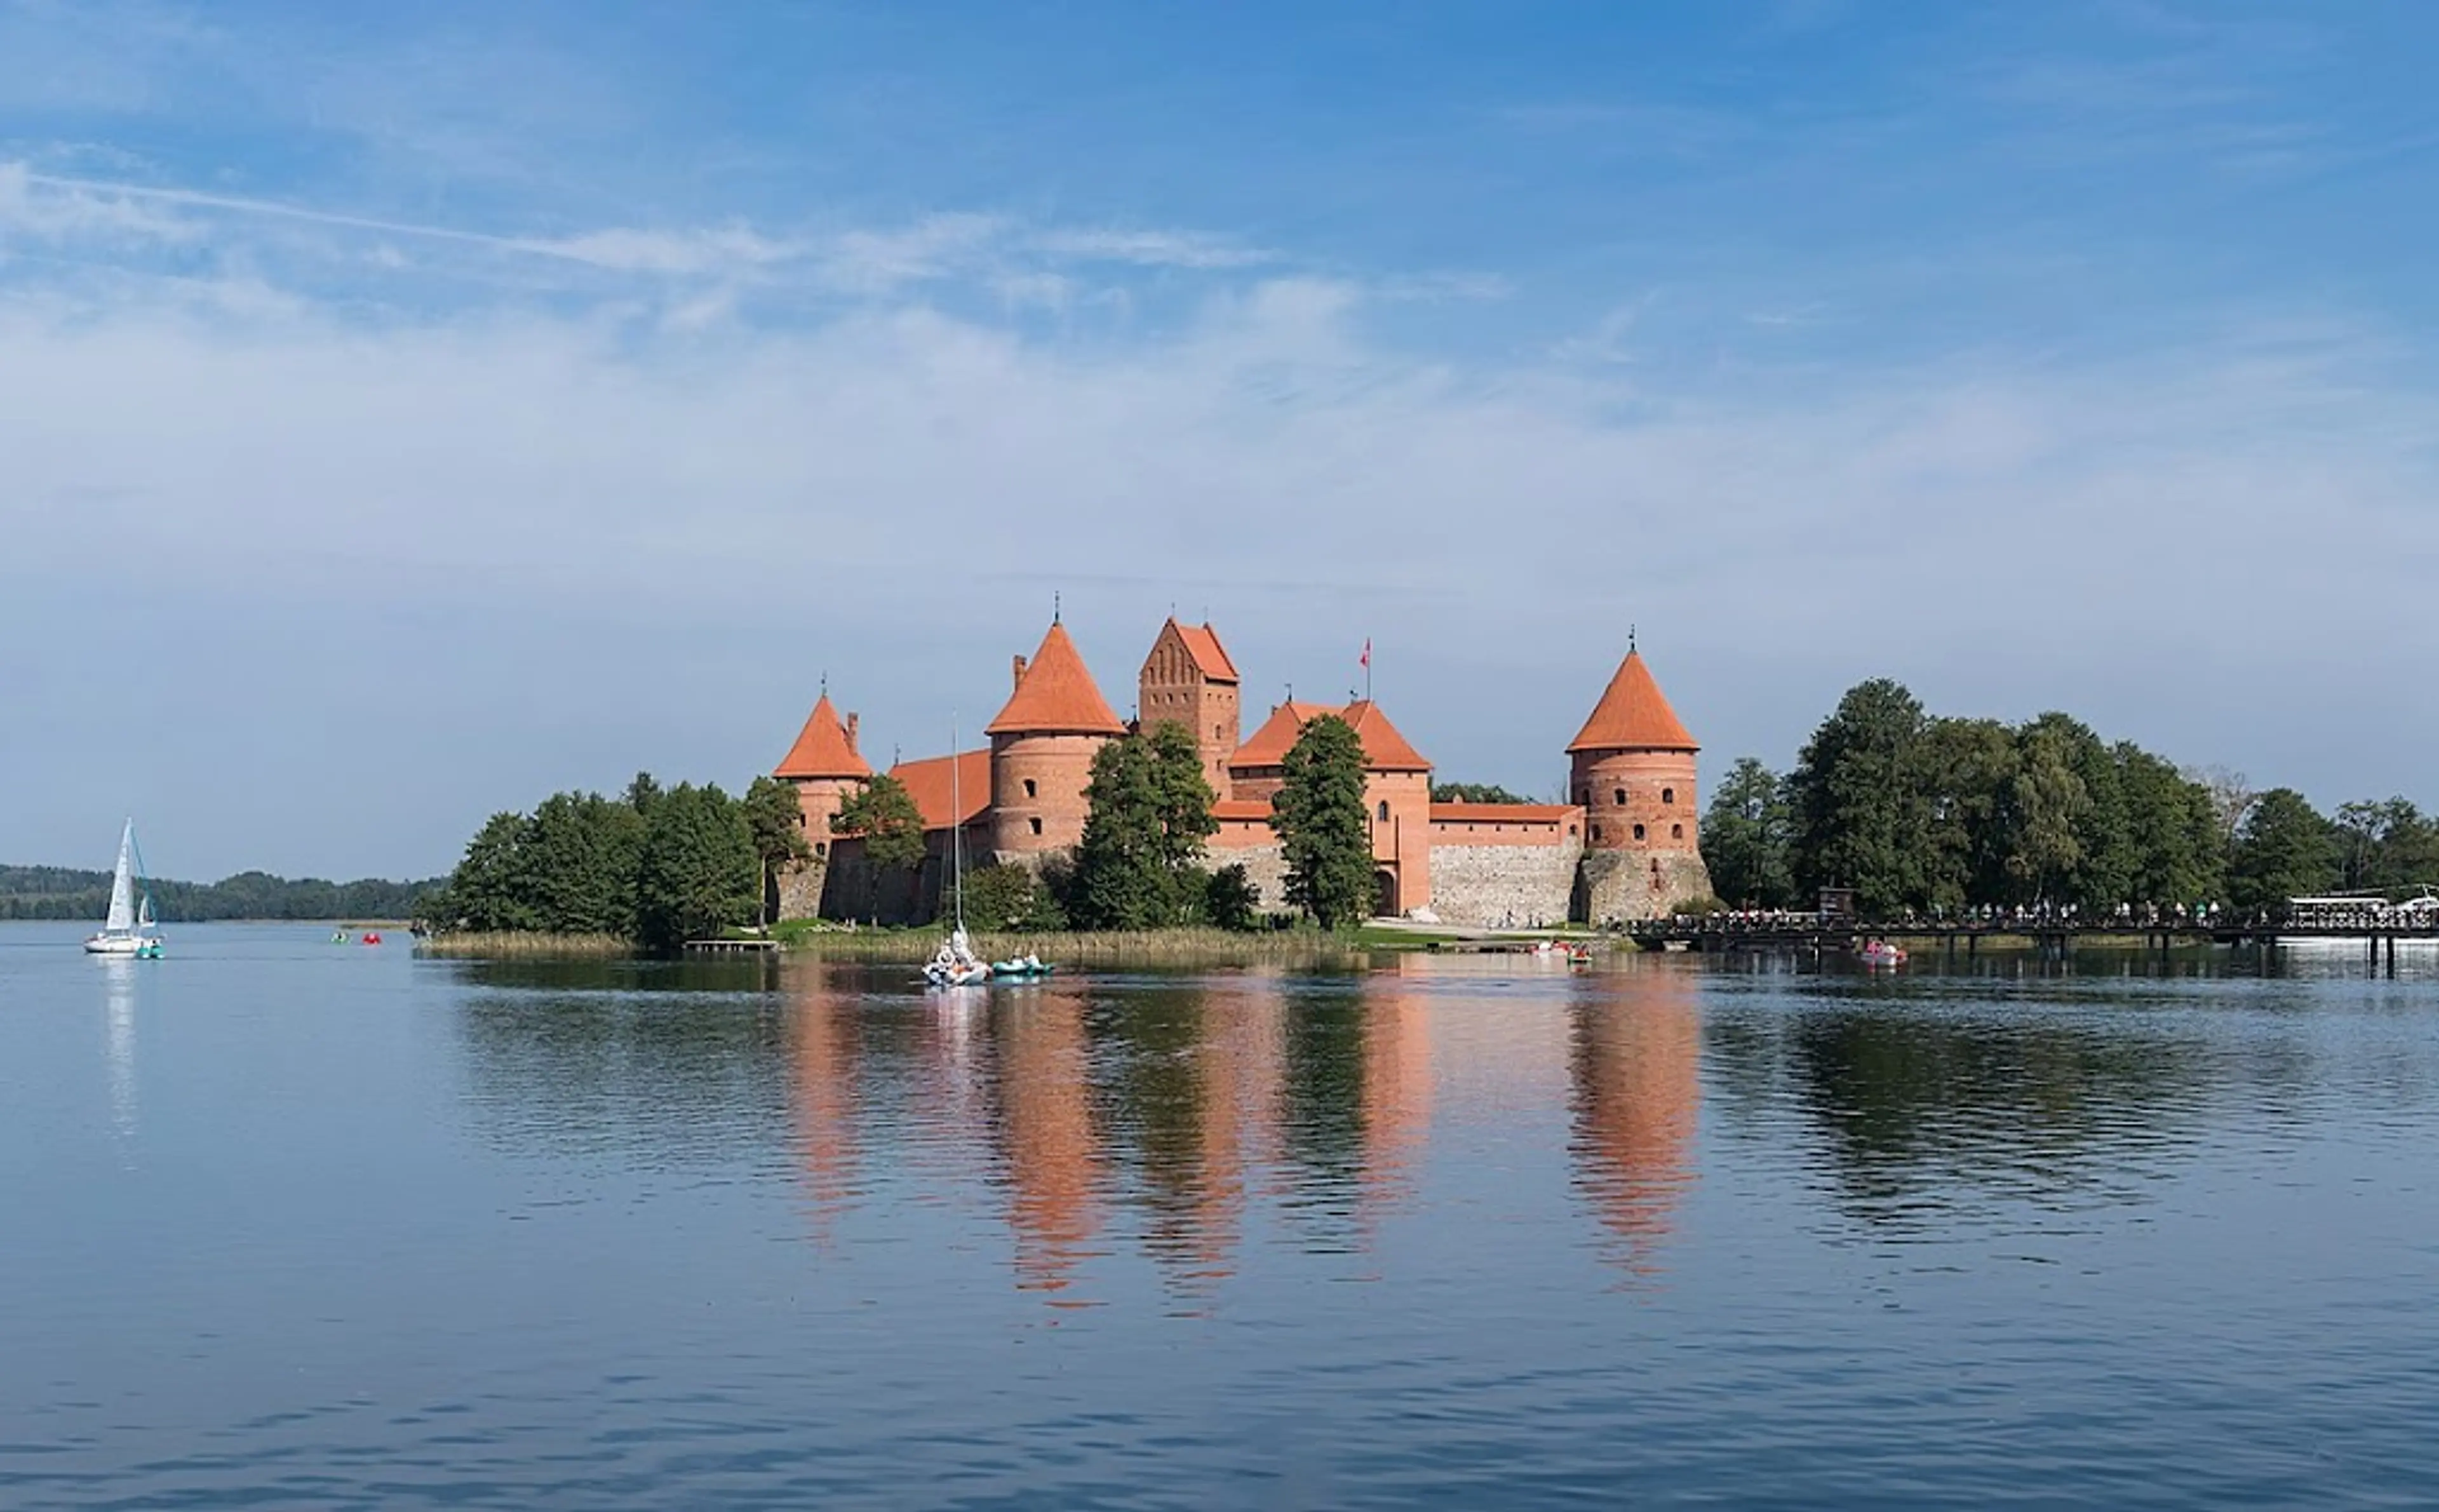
(128, 931)
(954, 963)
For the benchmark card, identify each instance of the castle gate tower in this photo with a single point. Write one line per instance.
(825, 768)
(1189, 680)
(1043, 745)
(1633, 770)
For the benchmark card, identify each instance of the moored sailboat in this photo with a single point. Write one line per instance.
(955, 964)
(129, 928)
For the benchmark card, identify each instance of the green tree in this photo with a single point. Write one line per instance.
(579, 865)
(2285, 849)
(700, 874)
(488, 891)
(1747, 838)
(883, 812)
(1963, 771)
(2173, 827)
(2044, 813)
(2388, 845)
(1230, 899)
(1320, 818)
(776, 818)
(1474, 792)
(1861, 821)
(1147, 815)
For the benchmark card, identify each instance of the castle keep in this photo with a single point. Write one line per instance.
(1627, 845)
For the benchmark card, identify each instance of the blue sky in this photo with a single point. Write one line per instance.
(407, 411)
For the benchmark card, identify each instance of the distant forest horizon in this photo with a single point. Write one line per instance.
(68, 892)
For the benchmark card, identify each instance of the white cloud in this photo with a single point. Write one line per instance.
(644, 519)
(1151, 249)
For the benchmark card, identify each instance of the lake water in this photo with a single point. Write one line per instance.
(284, 1222)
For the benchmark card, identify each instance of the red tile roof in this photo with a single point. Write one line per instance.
(940, 792)
(822, 749)
(1385, 748)
(1267, 746)
(1202, 644)
(1501, 813)
(1241, 808)
(1633, 715)
(1056, 695)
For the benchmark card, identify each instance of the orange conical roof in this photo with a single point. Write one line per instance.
(822, 748)
(1056, 695)
(1633, 715)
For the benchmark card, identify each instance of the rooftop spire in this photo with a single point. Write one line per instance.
(1632, 714)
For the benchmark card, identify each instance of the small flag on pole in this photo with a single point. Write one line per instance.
(1365, 661)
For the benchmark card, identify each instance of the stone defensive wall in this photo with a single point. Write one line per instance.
(1505, 865)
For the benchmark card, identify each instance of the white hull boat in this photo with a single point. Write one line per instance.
(128, 929)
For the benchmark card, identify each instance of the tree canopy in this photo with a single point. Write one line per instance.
(883, 812)
(1319, 819)
(1918, 812)
(657, 866)
(1149, 814)
(1474, 792)
(1747, 838)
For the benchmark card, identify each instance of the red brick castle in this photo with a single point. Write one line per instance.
(1625, 848)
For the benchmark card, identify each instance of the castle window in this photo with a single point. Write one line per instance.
(1036, 824)
(821, 847)
(1570, 829)
(1668, 796)
(1638, 831)
(1596, 831)
(1621, 797)
(1385, 811)
(1028, 787)
(1676, 832)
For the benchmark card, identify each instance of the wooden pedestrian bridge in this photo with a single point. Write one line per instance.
(2373, 923)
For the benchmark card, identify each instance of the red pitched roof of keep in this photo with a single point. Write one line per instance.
(1057, 694)
(1267, 746)
(1385, 748)
(1202, 644)
(822, 748)
(1633, 715)
(1241, 808)
(939, 791)
(1501, 813)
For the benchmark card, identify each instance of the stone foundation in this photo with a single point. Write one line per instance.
(1504, 886)
(1625, 884)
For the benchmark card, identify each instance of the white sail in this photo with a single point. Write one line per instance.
(122, 886)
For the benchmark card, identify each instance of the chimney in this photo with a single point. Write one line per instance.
(1018, 678)
(851, 721)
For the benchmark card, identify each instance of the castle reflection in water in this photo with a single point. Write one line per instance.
(1181, 1116)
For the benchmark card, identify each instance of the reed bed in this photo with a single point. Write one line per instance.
(525, 945)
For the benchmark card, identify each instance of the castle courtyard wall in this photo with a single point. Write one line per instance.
(1504, 886)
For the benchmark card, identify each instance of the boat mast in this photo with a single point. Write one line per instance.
(957, 827)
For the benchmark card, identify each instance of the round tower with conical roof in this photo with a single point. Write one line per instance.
(825, 768)
(1043, 745)
(1633, 771)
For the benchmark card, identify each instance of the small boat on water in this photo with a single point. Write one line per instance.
(955, 964)
(1880, 952)
(128, 929)
(1024, 968)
